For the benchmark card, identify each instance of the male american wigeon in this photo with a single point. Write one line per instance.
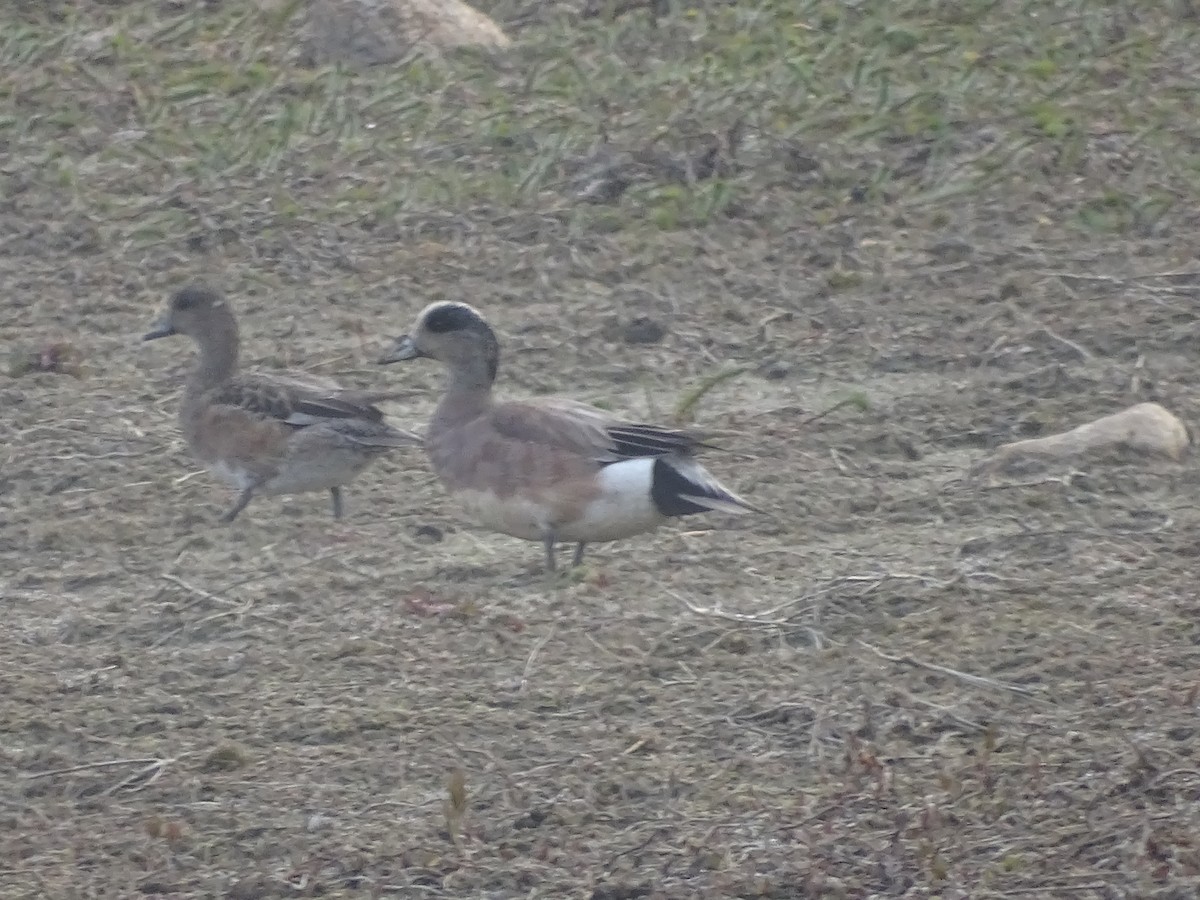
(548, 470)
(268, 434)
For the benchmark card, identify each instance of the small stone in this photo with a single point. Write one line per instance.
(774, 370)
(318, 822)
(951, 250)
(644, 330)
(430, 534)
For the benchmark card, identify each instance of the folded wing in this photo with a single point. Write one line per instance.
(300, 405)
(589, 432)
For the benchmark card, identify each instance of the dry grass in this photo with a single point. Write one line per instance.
(952, 225)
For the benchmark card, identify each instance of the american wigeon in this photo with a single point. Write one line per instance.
(549, 470)
(268, 434)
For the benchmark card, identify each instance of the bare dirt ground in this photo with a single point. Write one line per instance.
(981, 219)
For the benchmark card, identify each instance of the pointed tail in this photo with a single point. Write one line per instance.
(681, 487)
(382, 437)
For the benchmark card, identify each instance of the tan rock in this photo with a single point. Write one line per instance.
(375, 32)
(1146, 429)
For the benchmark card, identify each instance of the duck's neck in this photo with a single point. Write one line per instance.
(468, 395)
(218, 360)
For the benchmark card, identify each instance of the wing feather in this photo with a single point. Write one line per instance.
(588, 431)
(295, 403)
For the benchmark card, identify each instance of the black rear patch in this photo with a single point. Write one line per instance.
(666, 489)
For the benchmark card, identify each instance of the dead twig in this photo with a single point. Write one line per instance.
(1067, 480)
(770, 617)
(1018, 313)
(687, 403)
(533, 654)
(858, 400)
(142, 778)
(103, 764)
(237, 610)
(1182, 274)
(1174, 773)
(1042, 890)
(945, 711)
(966, 677)
(718, 613)
(199, 592)
(1085, 355)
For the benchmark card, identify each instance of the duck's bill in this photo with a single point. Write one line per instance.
(402, 349)
(160, 329)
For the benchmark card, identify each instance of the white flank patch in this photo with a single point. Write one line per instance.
(624, 507)
(629, 479)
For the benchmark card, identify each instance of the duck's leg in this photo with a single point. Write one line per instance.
(336, 494)
(243, 501)
(577, 559)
